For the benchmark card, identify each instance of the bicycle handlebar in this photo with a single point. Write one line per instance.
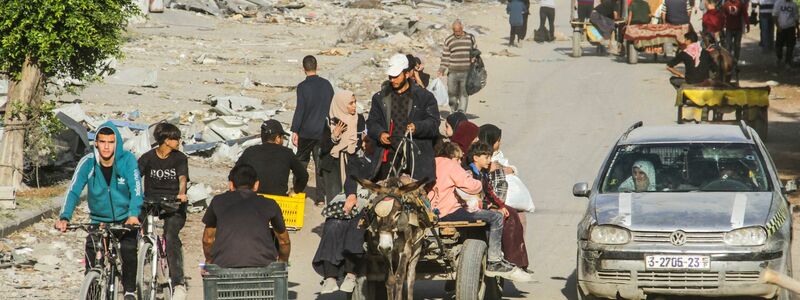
(93, 227)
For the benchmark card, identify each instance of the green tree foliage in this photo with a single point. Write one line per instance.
(62, 37)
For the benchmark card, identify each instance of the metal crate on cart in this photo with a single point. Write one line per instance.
(269, 283)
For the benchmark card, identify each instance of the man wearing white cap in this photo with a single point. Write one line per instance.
(402, 108)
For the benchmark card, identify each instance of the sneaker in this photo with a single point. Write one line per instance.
(179, 292)
(129, 296)
(521, 275)
(499, 268)
(348, 284)
(328, 286)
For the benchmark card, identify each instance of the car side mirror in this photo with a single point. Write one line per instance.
(581, 189)
(790, 187)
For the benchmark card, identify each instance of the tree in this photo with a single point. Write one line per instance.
(42, 39)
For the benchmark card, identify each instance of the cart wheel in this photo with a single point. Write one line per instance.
(470, 284)
(577, 36)
(667, 49)
(633, 56)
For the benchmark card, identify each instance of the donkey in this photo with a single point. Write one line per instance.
(398, 218)
(726, 64)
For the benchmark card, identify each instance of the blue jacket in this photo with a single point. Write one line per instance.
(114, 203)
(515, 9)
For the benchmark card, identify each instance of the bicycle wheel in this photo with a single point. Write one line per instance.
(146, 272)
(92, 287)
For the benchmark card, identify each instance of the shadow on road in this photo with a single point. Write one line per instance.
(569, 290)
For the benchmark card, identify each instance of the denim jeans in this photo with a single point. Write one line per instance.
(457, 90)
(173, 223)
(491, 217)
(767, 32)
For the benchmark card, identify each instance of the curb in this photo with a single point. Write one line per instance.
(25, 218)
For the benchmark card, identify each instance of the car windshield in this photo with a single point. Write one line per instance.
(686, 167)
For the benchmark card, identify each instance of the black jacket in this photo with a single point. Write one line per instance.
(314, 97)
(425, 116)
(273, 163)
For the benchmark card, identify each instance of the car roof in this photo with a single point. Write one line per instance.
(686, 133)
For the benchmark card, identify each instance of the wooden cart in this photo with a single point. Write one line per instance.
(582, 30)
(460, 257)
(725, 105)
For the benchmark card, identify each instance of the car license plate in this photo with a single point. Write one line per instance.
(690, 262)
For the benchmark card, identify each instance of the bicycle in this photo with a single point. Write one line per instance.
(103, 281)
(152, 274)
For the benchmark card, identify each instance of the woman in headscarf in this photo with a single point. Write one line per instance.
(643, 178)
(465, 135)
(452, 121)
(513, 227)
(341, 244)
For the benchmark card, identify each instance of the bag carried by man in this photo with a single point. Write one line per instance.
(540, 35)
(476, 78)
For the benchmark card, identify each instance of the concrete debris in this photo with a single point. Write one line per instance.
(201, 147)
(135, 76)
(228, 105)
(224, 128)
(198, 192)
(772, 83)
(397, 40)
(359, 30)
(49, 260)
(227, 154)
(392, 26)
(203, 6)
(364, 4)
(335, 52)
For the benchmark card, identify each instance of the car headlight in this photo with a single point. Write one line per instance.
(610, 235)
(750, 236)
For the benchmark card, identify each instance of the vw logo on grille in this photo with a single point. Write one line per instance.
(678, 238)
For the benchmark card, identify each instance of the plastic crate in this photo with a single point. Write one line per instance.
(270, 283)
(293, 209)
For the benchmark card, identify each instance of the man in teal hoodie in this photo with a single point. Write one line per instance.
(114, 196)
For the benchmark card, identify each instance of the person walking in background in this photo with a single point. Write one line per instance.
(314, 96)
(713, 21)
(516, 11)
(639, 12)
(547, 11)
(418, 74)
(785, 15)
(456, 60)
(766, 24)
(735, 19)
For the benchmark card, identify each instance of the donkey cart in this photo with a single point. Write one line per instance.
(712, 104)
(655, 39)
(454, 251)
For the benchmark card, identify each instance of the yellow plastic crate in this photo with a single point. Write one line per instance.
(293, 209)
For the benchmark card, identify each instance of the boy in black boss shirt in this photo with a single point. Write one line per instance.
(166, 171)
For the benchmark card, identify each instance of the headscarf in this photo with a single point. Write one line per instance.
(489, 134)
(645, 166)
(694, 50)
(464, 135)
(349, 138)
(454, 119)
